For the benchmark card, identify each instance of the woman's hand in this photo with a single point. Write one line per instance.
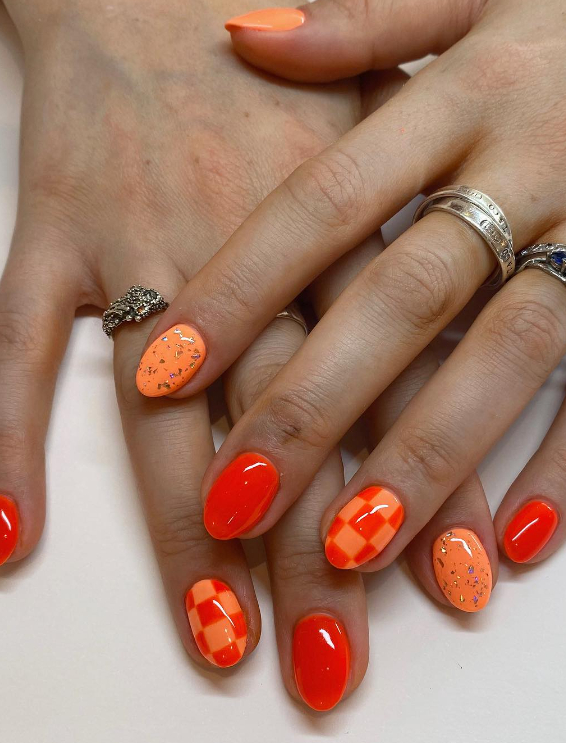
(489, 113)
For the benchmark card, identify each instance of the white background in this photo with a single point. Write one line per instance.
(88, 652)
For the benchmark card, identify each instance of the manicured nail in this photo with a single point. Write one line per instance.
(217, 622)
(321, 659)
(170, 361)
(240, 496)
(270, 19)
(364, 527)
(9, 527)
(529, 530)
(462, 569)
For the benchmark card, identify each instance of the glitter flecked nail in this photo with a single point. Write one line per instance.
(462, 569)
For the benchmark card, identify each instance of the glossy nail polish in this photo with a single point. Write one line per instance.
(321, 659)
(240, 496)
(9, 527)
(217, 622)
(170, 361)
(270, 19)
(529, 530)
(364, 527)
(462, 569)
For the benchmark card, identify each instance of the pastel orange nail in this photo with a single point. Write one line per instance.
(321, 660)
(462, 569)
(270, 19)
(9, 527)
(364, 527)
(217, 622)
(170, 361)
(529, 530)
(240, 496)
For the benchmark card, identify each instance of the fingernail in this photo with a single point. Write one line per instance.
(240, 496)
(270, 19)
(462, 569)
(9, 527)
(169, 363)
(217, 622)
(529, 530)
(321, 659)
(364, 527)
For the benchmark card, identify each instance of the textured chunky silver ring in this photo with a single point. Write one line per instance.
(548, 257)
(292, 312)
(484, 216)
(135, 305)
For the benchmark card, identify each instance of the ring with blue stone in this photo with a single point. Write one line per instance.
(548, 257)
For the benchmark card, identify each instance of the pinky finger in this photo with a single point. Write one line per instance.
(530, 523)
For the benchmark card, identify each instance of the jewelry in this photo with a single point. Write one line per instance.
(292, 312)
(549, 257)
(136, 304)
(484, 216)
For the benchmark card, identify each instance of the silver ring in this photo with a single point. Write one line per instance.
(292, 312)
(484, 216)
(136, 304)
(548, 257)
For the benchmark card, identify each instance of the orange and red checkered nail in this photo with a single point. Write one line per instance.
(9, 527)
(321, 660)
(240, 496)
(217, 621)
(364, 527)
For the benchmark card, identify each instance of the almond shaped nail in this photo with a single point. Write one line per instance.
(364, 527)
(269, 19)
(217, 622)
(462, 569)
(170, 361)
(9, 527)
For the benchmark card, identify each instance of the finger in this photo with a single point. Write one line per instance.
(320, 619)
(326, 207)
(40, 290)
(530, 520)
(207, 582)
(440, 437)
(389, 313)
(294, 43)
(465, 514)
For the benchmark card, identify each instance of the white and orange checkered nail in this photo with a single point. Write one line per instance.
(217, 622)
(364, 527)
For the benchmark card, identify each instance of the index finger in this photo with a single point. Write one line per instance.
(325, 208)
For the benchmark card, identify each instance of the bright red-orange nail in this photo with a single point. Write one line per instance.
(240, 496)
(530, 530)
(170, 361)
(270, 19)
(321, 659)
(9, 527)
(217, 622)
(363, 528)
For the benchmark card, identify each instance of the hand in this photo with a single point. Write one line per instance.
(488, 113)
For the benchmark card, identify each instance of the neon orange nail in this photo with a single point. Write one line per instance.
(363, 528)
(9, 527)
(270, 19)
(462, 569)
(217, 622)
(169, 363)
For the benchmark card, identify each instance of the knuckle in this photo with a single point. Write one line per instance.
(526, 337)
(332, 184)
(14, 452)
(427, 454)
(22, 338)
(235, 292)
(555, 462)
(306, 566)
(179, 529)
(298, 415)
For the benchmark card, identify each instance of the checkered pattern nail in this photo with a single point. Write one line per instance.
(364, 527)
(217, 622)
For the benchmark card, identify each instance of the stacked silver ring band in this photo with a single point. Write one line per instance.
(484, 216)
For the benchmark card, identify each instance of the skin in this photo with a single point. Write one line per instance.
(490, 62)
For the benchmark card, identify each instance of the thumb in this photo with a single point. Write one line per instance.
(333, 39)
